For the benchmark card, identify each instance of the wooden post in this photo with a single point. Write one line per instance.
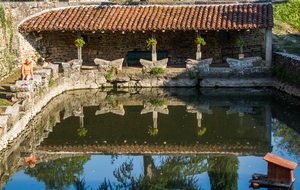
(79, 49)
(198, 53)
(154, 55)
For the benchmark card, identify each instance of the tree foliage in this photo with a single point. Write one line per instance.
(60, 173)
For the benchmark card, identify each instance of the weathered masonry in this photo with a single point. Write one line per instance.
(112, 30)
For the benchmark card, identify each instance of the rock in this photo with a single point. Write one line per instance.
(106, 66)
(54, 70)
(149, 65)
(198, 65)
(23, 86)
(44, 73)
(240, 64)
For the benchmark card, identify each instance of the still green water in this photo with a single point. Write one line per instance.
(154, 139)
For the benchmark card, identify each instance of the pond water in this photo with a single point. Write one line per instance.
(154, 139)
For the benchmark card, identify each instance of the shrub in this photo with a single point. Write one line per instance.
(52, 120)
(192, 75)
(41, 91)
(241, 43)
(288, 12)
(144, 71)
(283, 74)
(200, 40)
(51, 82)
(151, 42)
(157, 71)
(79, 42)
(108, 76)
(158, 103)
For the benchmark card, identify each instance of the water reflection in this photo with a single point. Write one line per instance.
(192, 132)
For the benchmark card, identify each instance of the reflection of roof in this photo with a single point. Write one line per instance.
(149, 17)
(158, 149)
(280, 161)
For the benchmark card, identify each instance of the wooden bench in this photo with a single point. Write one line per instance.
(135, 56)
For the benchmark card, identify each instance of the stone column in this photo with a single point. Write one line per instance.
(268, 51)
(198, 53)
(79, 48)
(154, 55)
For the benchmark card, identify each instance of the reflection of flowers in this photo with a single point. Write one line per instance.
(152, 131)
(241, 130)
(201, 131)
(158, 103)
(82, 131)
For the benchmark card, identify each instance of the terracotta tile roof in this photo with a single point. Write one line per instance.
(280, 161)
(150, 148)
(129, 18)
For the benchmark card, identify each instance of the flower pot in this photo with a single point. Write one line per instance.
(196, 42)
(241, 56)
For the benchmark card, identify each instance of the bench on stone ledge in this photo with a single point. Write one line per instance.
(135, 56)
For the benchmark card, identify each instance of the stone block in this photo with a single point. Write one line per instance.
(13, 115)
(54, 70)
(24, 95)
(106, 66)
(146, 63)
(3, 131)
(38, 80)
(23, 86)
(240, 64)
(161, 63)
(44, 73)
(198, 65)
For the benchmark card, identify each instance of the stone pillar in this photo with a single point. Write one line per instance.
(198, 53)
(154, 55)
(79, 48)
(268, 51)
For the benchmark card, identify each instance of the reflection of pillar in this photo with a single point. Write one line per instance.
(241, 115)
(268, 122)
(155, 116)
(81, 121)
(199, 118)
(147, 166)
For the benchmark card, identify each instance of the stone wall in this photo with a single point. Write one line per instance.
(180, 45)
(292, 62)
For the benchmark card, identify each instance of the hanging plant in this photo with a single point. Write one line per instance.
(151, 42)
(79, 42)
(240, 43)
(200, 40)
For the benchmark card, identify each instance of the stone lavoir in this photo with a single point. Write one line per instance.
(111, 31)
